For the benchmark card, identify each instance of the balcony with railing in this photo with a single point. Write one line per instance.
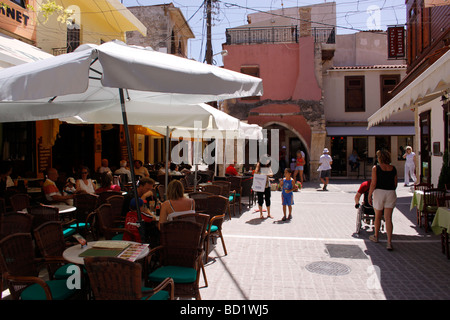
(288, 34)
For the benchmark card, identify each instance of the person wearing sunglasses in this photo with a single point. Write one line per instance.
(85, 184)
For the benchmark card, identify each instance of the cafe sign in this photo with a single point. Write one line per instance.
(18, 20)
(15, 15)
(396, 42)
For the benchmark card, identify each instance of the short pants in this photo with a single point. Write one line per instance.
(287, 199)
(325, 173)
(383, 199)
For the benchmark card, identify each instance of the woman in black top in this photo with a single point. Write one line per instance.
(382, 195)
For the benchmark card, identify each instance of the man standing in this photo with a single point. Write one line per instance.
(325, 163)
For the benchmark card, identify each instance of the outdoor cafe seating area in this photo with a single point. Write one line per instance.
(433, 211)
(43, 244)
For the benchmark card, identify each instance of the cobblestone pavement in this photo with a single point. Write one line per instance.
(317, 254)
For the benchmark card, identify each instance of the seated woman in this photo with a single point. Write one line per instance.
(85, 184)
(106, 184)
(176, 203)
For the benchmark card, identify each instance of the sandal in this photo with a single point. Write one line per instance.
(283, 219)
(289, 217)
(389, 247)
(373, 238)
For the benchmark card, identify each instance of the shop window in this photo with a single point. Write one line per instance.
(388, 83)
(354, 94)
(402, 143)
(254, 72)
(360, 145)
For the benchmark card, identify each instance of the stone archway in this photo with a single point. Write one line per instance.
(290, 141)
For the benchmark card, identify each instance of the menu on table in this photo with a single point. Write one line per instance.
(121, 249)
(133, 251)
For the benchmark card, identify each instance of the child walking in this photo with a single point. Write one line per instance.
(287, 197)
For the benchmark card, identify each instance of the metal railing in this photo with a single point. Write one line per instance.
(324, 35)
(277, 35)
(262, 35)
(58, 51)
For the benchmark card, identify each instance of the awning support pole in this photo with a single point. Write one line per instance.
(130, 157)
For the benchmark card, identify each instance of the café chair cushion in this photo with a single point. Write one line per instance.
(160, 295)
(177, 273)
(58, 289)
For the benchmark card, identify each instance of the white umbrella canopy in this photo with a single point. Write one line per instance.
(113, 75)
(87, 80)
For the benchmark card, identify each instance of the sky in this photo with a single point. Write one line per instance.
(352, 16)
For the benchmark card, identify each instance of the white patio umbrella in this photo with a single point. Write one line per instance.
(113, 74)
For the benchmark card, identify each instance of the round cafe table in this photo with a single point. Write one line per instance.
(63, 208)
(72, 254)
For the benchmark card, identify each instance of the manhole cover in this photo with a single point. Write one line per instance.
(328, 268)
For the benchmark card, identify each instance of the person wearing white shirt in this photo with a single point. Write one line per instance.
(104, 167)
(123, 170)
(410, 165)
(325, 162)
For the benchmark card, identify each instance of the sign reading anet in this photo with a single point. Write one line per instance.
(15, 15)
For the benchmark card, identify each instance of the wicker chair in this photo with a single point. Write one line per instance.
(227, 193)
(200, 200)
(13, 222)
(51, 244)
(217, 206)
(86, 203)
(103, 196)
(114, 278)
(190, 179)
(179, 257)
(431, 199)
(21, 271)
(247, 191)
(421, 186)
(19, 201)
(202, 219)
(44, 213)
(211, 188)
(236, 191)
(187, 188)
(106, 224)
(116, 203)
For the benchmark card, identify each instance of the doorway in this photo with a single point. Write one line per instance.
(73, 148)
(338, 153)
(111, 145)
(425, 147)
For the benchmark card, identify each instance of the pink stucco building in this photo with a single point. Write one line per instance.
(289, 54)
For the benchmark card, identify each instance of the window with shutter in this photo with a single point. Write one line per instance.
(354, 94)
(388, 83)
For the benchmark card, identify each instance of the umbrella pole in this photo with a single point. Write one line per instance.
(166, 175)
(130, 157)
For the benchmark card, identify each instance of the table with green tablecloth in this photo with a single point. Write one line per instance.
(441, 225)
(417, 200)
(441, 220)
